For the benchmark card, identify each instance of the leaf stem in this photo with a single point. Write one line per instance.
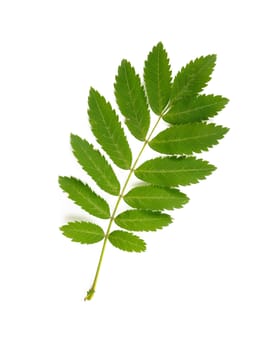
(92, 290)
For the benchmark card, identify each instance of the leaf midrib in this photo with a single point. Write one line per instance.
(191, 109)
(185, 139)
(158, 85)
(173, 170)
(111, 135)
(141, 218)
(95, 167)
(130, 243)
(152, 197)
(90, 200)
(86, 231)
(136, 114)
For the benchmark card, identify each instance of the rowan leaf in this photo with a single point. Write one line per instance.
(192, 78)
(188, 138)
(174, 171)
(199, 108)
(181, 104)
(155, 198)
(127, 241)
(95, 164)
(83, 232)
(108, 131)
(157, 76)
(142, 220)
(132, 101)
(83, 196)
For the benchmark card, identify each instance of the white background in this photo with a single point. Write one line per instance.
(208, 281)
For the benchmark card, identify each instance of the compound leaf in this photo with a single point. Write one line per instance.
(95, 164)
(180, 104)
(157, 76)
(108, 131)
(83, 232)
(199, 108)
(127, 241)
(155, 198)
(188, 138)
(131, 99)
(142, 220)
(192, 78)
(174, 171)
(83, 196)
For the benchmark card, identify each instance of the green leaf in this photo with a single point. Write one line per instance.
(131, 99)
(192, 78)
(157, 76)
(108, 131)
(174, 171)
(142, 220)
(197, 109)
(188, 138)
(83, 232)
(177, 102)
(83, 196)
(155, 198)
(127, 241)
(93, 162)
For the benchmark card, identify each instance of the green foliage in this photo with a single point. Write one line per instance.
(192, 78)
(179, 103)
(155, 198)
(196, 109)
(108, 130)
(132, 101)
(127, 241)
(83, 232)
(157, 76)
(83, 196)
(173, 171)
(94, 163)
(188, 138)
(142, 220)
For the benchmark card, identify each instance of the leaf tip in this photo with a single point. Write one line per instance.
(60, 179)
(160, 45)
(225, 130)
(74, 138)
